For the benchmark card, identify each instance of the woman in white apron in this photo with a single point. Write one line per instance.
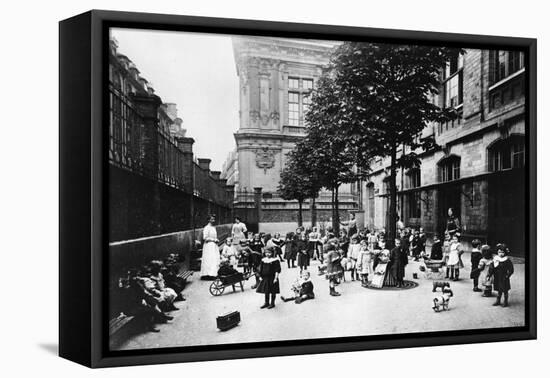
(210, 261)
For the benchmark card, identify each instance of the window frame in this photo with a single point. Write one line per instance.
(449, 169)
(303, 94)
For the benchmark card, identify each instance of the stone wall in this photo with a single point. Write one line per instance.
(134, 253)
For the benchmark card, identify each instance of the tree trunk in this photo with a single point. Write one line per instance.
(300, 213)
(336, 217)
(313, 213)
(332, 209)
(393, 199)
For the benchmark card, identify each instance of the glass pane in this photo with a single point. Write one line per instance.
(293, 82)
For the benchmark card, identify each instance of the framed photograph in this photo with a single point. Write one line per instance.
(235, 188)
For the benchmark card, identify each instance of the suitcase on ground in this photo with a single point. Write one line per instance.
(228, 321)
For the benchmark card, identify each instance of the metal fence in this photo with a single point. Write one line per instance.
(129, 148)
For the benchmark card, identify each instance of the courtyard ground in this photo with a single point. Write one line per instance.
(358, 311)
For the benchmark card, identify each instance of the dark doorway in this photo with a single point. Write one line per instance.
(506, 222)
(448, 196)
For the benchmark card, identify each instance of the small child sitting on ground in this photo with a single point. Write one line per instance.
(302, 289)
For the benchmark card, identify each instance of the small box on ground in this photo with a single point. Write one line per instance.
(228, 321)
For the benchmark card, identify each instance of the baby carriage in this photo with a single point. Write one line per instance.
(217, 287)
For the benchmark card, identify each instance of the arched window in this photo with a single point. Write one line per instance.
(507, 153)
(449, 168)
(413, 178)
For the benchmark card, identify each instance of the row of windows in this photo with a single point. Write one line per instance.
(297, 83)
(503, 155)
(502, 64)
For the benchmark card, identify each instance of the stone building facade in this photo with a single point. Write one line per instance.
(276, 76)
(478, 168)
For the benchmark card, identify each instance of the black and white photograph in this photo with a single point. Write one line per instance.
(273, 189)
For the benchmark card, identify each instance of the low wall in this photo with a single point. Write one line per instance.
(136, 252)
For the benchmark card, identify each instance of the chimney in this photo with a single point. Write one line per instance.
(185, 144)
(215, 174)
(204, 164)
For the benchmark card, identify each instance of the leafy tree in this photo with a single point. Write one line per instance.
(384, 95)
(329, 155)
(297, 181)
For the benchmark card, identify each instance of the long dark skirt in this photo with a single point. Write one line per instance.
(267, 286)
(303, 259)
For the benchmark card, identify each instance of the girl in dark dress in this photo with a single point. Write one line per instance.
(289, 255)
(302, 252)
(437, 250)
(335, 271)
(501, 269)
(398, 260)
(269, 270)
(475, 258)
(255, 257)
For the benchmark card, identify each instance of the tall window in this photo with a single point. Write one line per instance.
(413, 178)
(299, 99)
(453, 81)
(449, 169)
(453, 91)
(306, 101)
(507, 154)
(293, 109)
(413, 200)
(504, 63)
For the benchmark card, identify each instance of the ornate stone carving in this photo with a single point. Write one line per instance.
(254, 116)
(265, 119)
(265, 158)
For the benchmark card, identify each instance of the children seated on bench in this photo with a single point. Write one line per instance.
(140, 302)
(154, 283)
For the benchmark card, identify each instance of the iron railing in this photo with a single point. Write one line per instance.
(128, 139)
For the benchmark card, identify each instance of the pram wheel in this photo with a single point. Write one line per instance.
(217, 288)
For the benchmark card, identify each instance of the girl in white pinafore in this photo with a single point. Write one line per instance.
(210, 261)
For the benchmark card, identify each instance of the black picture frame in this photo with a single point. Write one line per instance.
(83, 192)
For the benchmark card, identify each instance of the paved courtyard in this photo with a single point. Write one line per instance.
(359, 311)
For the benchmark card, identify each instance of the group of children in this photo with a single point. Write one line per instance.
(365, 256)
(150, 292)
(493, 272)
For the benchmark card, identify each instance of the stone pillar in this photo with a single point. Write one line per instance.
(185, 145)
(148, 106)
(204, 164)
(258, 204)
(230, 191)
